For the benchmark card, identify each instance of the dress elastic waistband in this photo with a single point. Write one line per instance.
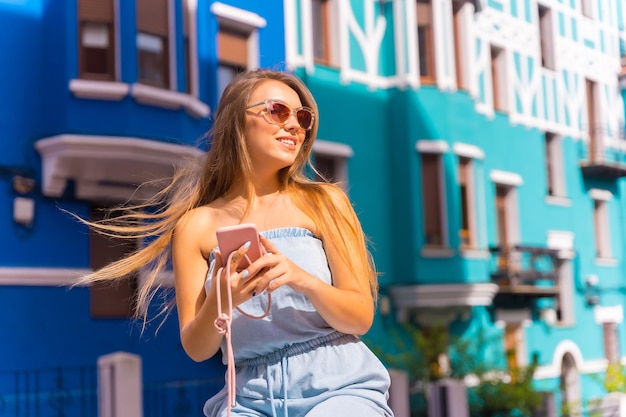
(295, 349)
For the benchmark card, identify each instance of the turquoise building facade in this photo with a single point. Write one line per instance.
(481, 142)
(485, 160)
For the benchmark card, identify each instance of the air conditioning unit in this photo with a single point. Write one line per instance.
(447, 398)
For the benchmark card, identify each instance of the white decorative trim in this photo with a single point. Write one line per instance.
(237, 16)
(325, 147)
(608, 314)
(107, 166)
(195, 107)
(605, 261)
(53, 277)
(475, 254)
(442, 295)
(100, 90)
(553, 370)
(468, 151)
(430, 252)
(519, 316)
(558, 201)
(155, 96)
(560, 239)
(602, 195)
(505, 178)
(431, 146)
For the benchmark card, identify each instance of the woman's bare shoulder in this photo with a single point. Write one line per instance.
(197, 228)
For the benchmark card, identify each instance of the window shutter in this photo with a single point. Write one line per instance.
(95, 10)
(152, 17)
(232, 47)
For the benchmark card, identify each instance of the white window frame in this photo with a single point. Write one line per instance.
(556, 176)
(511, 180)
(339, 152)
(564, 242)
(245, 21)
(439, 148)
(473, 153)
(501, 82)
(602, 236)
(547, 35)
(333, 31)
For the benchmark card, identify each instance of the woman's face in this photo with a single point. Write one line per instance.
(271, 145)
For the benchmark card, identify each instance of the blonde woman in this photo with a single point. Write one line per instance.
(291, 338)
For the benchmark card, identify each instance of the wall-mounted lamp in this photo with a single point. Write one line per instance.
(592, 291)
(23, 206)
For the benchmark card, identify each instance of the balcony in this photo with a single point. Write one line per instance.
(524, 273)
(602, 161)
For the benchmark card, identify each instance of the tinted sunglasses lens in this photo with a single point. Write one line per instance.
(305, 118)
(278, 112)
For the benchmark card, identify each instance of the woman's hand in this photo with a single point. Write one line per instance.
(242, 284)
(346, 305)
(274, 270)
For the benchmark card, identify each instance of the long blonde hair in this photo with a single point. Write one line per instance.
(202, 182)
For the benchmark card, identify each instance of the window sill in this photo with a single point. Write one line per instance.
(475, 254)
(99, 90)
(168, 99)
(441, 252)
(116, 91)
(600, 261)
(558, 201)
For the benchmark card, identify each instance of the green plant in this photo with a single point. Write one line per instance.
(428, 355)
(615, 377)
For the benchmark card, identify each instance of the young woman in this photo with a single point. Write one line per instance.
(292, 343)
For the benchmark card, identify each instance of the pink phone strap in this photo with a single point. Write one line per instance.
(223, 325)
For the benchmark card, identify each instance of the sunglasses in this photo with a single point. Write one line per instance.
(278, 112)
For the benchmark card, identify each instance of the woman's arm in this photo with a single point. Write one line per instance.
(347, 305)
(197, 310)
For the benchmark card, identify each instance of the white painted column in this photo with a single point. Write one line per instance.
(120, 387)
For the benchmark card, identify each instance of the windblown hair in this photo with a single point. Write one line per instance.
(197, 184)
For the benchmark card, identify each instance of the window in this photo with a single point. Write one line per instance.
(467, 234)
(107, 300)
(457, 22)
(187, 16)
(237, 40)
(96, 32)
(570, 386)
(601, 222)
(596, 149)
(586, 8)
(426, 41)
(554, 165)
(330, 159)
(153, 42)
(232, 55)
(498, 79)
(546, 37)
(432, 194)
(514, 344)
(611, 342)
(321, 31)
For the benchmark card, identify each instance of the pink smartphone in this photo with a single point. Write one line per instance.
(231, 238)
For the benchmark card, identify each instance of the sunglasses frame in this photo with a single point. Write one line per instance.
(292, 112)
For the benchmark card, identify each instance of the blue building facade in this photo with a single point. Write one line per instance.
(97, 97)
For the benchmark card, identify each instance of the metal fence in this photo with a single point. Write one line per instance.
(53, 392)
(73, 392)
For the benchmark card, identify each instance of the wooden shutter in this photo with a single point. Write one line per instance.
(95, 10)
(232, 47)
(152, 17)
